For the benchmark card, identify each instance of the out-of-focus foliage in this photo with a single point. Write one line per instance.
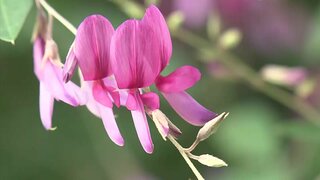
(260, 139)
(12, 16)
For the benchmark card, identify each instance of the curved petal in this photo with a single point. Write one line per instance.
(151, 100)
(188, 108)
(135, 55)
(110, 124)
(66, 92)
(141, 125)
(104, 113)
(46, 102)
(181, 79)
(92, 47)
(70, 65)
(154, 18)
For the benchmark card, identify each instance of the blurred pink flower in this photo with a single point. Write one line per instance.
(52, 86)
(271, 27)
(283, 75)
(196, 12)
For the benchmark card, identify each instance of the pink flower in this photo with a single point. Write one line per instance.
(91, 52)
(140, 50)
(52, 86)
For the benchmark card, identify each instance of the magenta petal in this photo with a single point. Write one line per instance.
(151, 100)
(92, 47)
(135, 55)
(132, 103)
(70, 65)
(110, 124)
(100, 95)
(110, 85)
(188, 108)
(46, 107)
(181, 79)
(154, 18)
(91, 102)
(141, 125)
(66, 92)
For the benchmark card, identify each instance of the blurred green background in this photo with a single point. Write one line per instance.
(260, 139)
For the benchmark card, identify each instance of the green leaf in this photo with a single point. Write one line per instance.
(12, 16)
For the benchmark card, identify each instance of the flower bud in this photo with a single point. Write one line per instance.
(211, 161)
(283, 75)
(230, 39)
(175, 20)
(161, 122)
(211, 127)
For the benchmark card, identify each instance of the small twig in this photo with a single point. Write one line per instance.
(194, 145)
(56, 15)
(186, 158)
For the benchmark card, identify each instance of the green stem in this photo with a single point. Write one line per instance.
(56, 15)
(186, 158)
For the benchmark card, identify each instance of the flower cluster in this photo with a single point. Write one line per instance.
(117, 68)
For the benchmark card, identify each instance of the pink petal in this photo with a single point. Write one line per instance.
(92, 47)
(70, 65)
(51, 77)
(66, 92)
(135, 55)
(188, 108)
(111, 86)
(38, 52)
(100, 94)
(104, 112)
(154, 18)
(91, 103)
(141, 125)
(110, 124)
(132, 103)
(151, 100)
(179, 80)
(46, 102)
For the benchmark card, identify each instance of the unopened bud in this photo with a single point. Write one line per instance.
(175, 20)
(283, 75)
(70, 65)
(161, 122)
(211, 127)
(230, 39)
(211, 161)
(174, 130)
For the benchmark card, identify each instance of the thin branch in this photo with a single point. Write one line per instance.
(56, 15)
(186, 158)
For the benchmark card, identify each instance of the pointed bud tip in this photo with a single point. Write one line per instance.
(211, 127)
(211, 161)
